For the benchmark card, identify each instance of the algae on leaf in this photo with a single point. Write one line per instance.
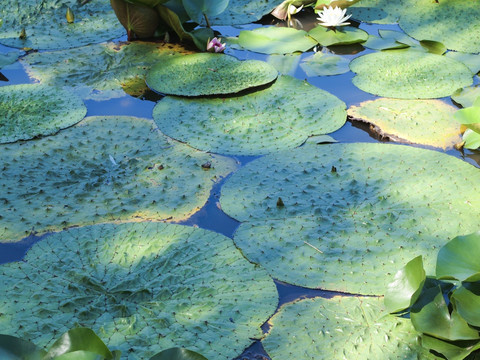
(409, 74)
(101, 170)
(32, 110)
(350, 213)
(142, 287)
(42, 24)
(100, 71)
(280, 117)
(426, 122)
(208, 74)
(341, 328)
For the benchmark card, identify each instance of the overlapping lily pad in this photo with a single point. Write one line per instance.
(241, 12)
(324, 64)
(275, 40)
(103, 169)
(344, 36)
(280, 117)
(341, 328)
(100, 71)
(409, 74)
(32, 110)
(9, 58)
(208, 74)
(378, 11)
(43, 24)
(142, 287)
(455, 23)
(427, 122)
(346, 217)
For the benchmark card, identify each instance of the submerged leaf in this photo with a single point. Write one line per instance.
(143, 287)
(324, 64)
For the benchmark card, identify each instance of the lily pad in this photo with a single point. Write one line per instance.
(275, 40)
(241, 12)
(332, 217)
(100, 71)
(471, 60)
(42, 24)
(280, 117)
(32, 110)
(467, 96)
(377, 11)
(342, 36)
(341, 328)
(324, 64)
(456, 23)
(409, 74)
(103, 169)
(142, 287)
(286, 64)
(208, 74)
(426, 122)
(9, 58)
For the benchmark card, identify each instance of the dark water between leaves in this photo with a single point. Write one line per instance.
(211, 216)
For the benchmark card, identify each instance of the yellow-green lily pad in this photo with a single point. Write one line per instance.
(426, 122)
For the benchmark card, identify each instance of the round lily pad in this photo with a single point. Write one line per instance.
(324, 64)
(341, 328)
(103, 169)
(377, 11)
(142, 287)
(43, 24)
(427, 122)
(99, 71)
(467, 96)
(32, 110)
(280, 117)
(455, 23)
(409, 74)
(346, 217)
(208, 74)
(275, 40)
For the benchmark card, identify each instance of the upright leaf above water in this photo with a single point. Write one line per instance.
(197, 9)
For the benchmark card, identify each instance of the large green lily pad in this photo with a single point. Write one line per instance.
(142, 287)
(45, 25)
(99, 71)
(32, 110)
(346, 217)
(377, 11)
(409, 74)
(103, 169)
(275, 40)
(208, 74)
(280, 117)
(427, 122)
(455, 23)
(341, 328)
(342, 36)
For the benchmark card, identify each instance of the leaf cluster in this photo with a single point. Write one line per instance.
(78, 344)
(444, 308)
(470, 118)
(149, 18)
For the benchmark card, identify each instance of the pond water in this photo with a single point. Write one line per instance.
(211, 216)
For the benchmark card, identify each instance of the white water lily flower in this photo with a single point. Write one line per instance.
(331, 17)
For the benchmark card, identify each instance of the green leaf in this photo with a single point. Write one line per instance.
(285, 64)
(143, 286)
(458, 259)
(471, 60)
(80, 355)
(178, 354)
(149, 3)
(241, 12)
(472, 139)
(428, 122)
(378, 43)
(79, 339)
(139, 20)
(406, 286)
(196, 9)
(208, 74)
(470, 117)
(398, 36)
(342, 327)
(434, 47)
(467, 302)
(409, 74)
(341, 36)
(324, 64)
(14, 348)
(451, 350)
(280, 117)
(275, 40)
(430, 315)
(466, 96)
